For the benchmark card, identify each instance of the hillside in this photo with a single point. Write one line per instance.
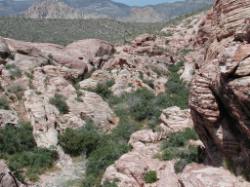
(63, 31)
(169, 109)
(90, 113)
(100, 9)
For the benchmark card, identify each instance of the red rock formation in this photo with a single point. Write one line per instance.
(219, 96)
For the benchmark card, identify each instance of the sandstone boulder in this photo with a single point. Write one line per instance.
(195, 175)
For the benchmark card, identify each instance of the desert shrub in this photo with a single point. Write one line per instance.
(18, 148)
(4, 104)
(108, 150)
(78, 141)
(59, 102)
(17, 90)
(180, 165)
(16, 139)
(139, 104)
(105, 154)
(150, 177)
(109, 184)
(185, 51)
(175, 147)
(56, 30)
(103, 89)
(179, 139)
(15, 72)
(32, 163)
(177, 92)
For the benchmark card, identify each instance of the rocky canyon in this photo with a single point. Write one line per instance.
(169, 109)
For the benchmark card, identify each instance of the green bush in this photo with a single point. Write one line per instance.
(13, 139)
(109, 184)
(4, 104)
(18, 147)
(17, 90)
(32, 163)
(59, 102)
(108, 150)
(150, 177)
(78, 141)
(140, 104)
(175, 147)
(103, 89)
(180, 165)
(181, 138)
(177, 93)
(15, 72)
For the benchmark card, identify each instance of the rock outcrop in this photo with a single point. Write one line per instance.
(130, 169)
(8, 117)
(197, 175)
(7, 179)
(219, 93)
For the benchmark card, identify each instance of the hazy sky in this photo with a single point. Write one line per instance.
(143, 2)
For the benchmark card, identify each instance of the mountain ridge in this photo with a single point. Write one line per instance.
(71, 9)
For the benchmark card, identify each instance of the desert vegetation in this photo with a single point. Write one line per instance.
(176, 147)
(150, 177)
(59, 102)
(25, 159)
(136, 110)
(59, 31)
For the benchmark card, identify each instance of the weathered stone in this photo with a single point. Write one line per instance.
(219, 93)
(7, 179)
(8, 117)
(195, 175)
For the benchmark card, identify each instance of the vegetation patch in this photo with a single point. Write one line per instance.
(150, 177)
(17, 90)
(80, 141)
(4, 103)
(57, 30)
(136, 110)
(101, 149)
(103, 89)
(59, 102)
(24, 158)
(176, 147)
(14, 71)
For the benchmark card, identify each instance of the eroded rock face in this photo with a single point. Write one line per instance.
(8, 117)
(219, 94)
(196, 175)
(7, 179)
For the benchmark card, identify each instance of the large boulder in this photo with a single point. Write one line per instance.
(93, 51)
(196, 175)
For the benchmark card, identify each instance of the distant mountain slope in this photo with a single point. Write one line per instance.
(71, 9)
